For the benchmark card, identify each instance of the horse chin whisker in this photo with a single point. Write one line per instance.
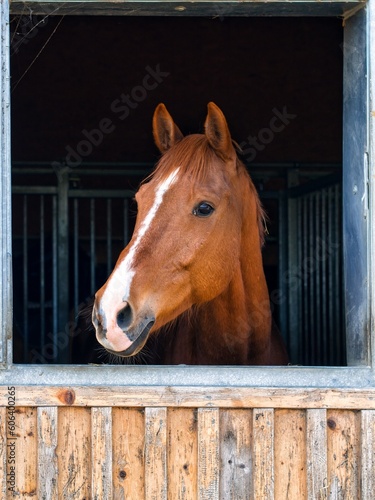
(108, 358)
(102, 354)
(141, 358)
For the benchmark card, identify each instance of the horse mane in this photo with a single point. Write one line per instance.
(196, 158)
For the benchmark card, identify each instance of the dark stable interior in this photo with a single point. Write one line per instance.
(83, 94)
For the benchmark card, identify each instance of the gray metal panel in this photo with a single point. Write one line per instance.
(371, 59)
(5, 189)
(200, 376)
(355, 196)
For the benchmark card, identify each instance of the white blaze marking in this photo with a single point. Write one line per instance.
(118, 287)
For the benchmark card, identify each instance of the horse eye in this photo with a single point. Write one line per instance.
(203, 209)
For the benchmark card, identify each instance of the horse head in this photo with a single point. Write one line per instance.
(187, 247)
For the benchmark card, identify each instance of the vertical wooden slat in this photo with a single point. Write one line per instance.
(290, 454)
(316, 454)
(235, 451)
(367, 453)
(156, 453)
(3, 452)
(74, 453)
(182, 453)
(101, 452)
(128, 431)
(25, 452)
(47, 458)
(263, 453)
(208, 454)
(343, 438)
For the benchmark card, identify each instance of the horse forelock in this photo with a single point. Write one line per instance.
(194, 156)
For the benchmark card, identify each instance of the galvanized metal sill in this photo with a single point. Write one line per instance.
(202, 376)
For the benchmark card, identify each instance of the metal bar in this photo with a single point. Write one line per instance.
(75, 256)
(337, 230)
(330, 260)
(317, 311)
(323, 258)
(298, 332)
(336, 347)
(61, 340)
(25, 281)
(291, 276)
(42, 276)
(129, 168)
(283, 263)
(89, 166)
(311, 272)
(92, 246)
(54, 269)
(341, 291)
(105, 193)
(305, 318)
(34, 190)
(109, 236)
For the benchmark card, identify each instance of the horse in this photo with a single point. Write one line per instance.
(192, 273)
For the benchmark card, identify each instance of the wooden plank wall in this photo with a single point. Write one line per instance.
(75, 452)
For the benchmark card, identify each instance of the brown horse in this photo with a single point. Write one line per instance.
(193, 268)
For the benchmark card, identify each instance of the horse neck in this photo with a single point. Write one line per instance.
(235, 327)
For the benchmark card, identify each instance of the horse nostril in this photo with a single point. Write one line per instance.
(124, 317)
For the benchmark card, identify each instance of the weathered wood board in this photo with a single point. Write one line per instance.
(166, 451)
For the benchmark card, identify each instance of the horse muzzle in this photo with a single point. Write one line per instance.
(125, 335)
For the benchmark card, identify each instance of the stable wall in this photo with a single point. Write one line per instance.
(248, 66)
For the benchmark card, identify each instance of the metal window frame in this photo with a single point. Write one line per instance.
(359, 212)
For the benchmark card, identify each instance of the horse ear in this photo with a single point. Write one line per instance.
(217, 132)
(166, 133)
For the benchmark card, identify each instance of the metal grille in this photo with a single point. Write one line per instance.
(34, 269)
(56, 273)
(316, 311)
(66, 241)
